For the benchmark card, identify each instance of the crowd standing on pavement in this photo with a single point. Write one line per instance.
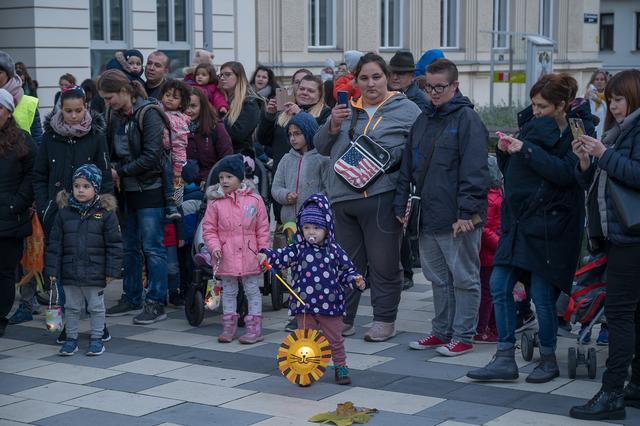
(111, 173)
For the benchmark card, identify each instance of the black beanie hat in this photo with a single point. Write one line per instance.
(232, 164)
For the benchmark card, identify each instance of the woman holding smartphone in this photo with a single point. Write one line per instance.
(541, 221)
(615, 160)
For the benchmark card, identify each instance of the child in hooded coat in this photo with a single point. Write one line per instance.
(321, 270)
(302, 170)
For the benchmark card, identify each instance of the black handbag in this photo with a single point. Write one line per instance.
(626, 201)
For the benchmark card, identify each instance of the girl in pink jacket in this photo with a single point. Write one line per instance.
(234, 229)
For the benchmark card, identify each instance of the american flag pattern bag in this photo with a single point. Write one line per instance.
(362, 163)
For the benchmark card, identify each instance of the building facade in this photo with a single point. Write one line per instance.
(80, 36)
(619, 37)
(303, 33)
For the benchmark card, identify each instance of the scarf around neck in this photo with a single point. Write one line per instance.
(71, 130)
(83, 208)
(14, 86)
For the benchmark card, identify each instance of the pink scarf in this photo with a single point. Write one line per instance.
(71, 130)
(14, 86)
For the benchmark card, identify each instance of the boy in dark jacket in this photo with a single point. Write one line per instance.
(85, 253)
(321, 270)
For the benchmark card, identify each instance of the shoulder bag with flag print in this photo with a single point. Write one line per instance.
(363, 162)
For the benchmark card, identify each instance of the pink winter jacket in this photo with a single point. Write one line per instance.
(238, 225)
(177, 140)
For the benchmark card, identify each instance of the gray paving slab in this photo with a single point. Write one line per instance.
(547, 403)
(84, 416)
(12, 383)
(269, 350)
(130, 382)
(385, 418)
(236, 361)
(120, 331)
(212, 330)
(281, 386)
(204, 415)
(404, 352)
(424, 386)
(106, 360)
(148, 349)
(30, 334)
(487, 395)
(421, 368)
(465, 412)
(365, 378)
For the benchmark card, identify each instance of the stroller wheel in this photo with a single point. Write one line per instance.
(526, 344)
(592, 363)
(194, 307)
(573, 362)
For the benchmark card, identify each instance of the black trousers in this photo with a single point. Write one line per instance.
(622, 309)
(370, 234)
(10, 254)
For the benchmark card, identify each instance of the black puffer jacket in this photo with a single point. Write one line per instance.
(16, 192)
(57, 160)
(85, 250)
(241, 131)
(137, 156)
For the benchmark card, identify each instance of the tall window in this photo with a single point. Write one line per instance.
(174, 31)
(322, 23)
(109, 30)
(500, 22)
(606, 31)
(391, 23)
(545, 26)
(449, 19)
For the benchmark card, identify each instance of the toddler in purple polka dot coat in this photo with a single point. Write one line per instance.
(321, 270)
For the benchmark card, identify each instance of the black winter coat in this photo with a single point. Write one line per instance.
(138, 156)
(542, 215)
(57, 160)
(241, 131)
(85, 250)
(417, 96)
(16, 192)
(457, 182)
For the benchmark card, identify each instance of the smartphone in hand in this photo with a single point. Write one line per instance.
(343, 97)
(577, 127)
(503, 138)
(281, 98)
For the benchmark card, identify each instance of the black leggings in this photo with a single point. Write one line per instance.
(622, 309)
(11, 249)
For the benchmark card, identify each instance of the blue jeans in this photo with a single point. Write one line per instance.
(173, 268)
(544, 295)
(144, 233)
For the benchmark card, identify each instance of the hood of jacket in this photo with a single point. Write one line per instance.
(322, 202)
(107, 201)
(98, 123)
(542, 131)
(456, 103)
(307, 124)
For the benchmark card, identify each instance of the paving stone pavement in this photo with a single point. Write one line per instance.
(170, 373)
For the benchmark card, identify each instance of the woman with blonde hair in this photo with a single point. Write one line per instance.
(595, 95)
(244, 107)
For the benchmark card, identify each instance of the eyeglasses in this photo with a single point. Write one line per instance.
(225, 74)
(294, 134)
(439, 89)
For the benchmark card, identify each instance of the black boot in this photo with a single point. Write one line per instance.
(502, 367)
(632, 395)
(546, 370)
(603, 406)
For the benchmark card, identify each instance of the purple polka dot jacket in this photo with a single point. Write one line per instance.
(320, 272)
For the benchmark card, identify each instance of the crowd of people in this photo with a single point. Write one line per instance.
(110, 173)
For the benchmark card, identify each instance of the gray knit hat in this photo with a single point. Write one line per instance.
(6, 100)
(7, 65)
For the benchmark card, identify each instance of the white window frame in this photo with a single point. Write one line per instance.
(172, 44)
(316, 14)
(106, 43)
(384, 44)
(444, 31)
(541, 20)
(496, 23)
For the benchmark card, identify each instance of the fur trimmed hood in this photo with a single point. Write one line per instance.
(214, 192)
(107, 201)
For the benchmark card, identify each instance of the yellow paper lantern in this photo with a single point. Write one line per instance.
(303, 356)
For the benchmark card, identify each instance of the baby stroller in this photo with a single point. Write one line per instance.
(585, 305)
(194, 305)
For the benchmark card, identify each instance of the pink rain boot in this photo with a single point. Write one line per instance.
(253, 325)
(230, 323)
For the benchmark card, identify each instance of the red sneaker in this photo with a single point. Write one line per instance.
(455, 348)
(430, 341)
(486, 337)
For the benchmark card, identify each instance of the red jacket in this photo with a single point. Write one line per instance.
(491, 230)
(346, 83)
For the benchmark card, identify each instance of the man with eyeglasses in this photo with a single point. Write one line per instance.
(156, 72)
(447, 157)
(403, 67)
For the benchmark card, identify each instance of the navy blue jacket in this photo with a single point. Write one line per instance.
(542, 215)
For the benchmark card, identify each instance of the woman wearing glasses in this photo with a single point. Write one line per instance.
(365, 225)
(542, 221)
(244, 107)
